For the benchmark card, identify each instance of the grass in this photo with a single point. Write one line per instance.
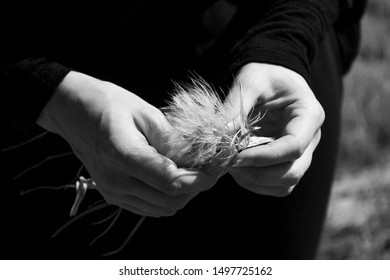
(358, 220)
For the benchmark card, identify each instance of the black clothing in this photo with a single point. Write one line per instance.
(142, 46)
(42, 43)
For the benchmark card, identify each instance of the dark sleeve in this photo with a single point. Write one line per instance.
(286, 32)
(27, 85)
(29, 69)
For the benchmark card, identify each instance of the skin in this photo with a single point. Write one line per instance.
(293, 116)
(121, 140)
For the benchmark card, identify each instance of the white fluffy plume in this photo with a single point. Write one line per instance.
(214, 132)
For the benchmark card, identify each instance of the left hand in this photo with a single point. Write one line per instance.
(122, 141)
(293, 116)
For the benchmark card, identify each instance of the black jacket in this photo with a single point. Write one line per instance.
(134, 42)
(142, 46)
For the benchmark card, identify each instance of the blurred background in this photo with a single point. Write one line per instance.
(358, 220)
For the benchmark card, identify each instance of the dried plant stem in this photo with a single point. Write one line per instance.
(25, 143)
(78, 217)
(117, 213)
(49, 158)
(129, 237)
(41, 188)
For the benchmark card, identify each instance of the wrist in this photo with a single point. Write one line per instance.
(63, 109)
(268, 78)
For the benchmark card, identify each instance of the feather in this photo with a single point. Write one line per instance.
(214, 131)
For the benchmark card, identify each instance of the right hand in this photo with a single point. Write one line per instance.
(294, 117)
(122, 140)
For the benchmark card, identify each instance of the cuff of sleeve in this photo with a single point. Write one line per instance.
(271, 52)
(29, 84)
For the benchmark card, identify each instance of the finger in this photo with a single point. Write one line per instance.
(143, 191)
(137, 158)
(162, 174)
(276, 175)
(116, 195)
(285, 149)
(163, 137)
(284, 175)
(115, 184)
(276, 191)
(281, 150)
(132, 202)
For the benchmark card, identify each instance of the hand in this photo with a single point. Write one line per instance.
(293, 117)
(122, 140)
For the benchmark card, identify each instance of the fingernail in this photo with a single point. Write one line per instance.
(238, 163)
(171, 161)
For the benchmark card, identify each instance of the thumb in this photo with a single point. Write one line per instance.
(161, 135)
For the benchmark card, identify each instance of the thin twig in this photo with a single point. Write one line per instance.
(95, 203)
(78, 173)
(24, 192)
(135, 229)
(117, 214)
(86, 212)
(105, 219)
(25, 143)
(42, 162)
